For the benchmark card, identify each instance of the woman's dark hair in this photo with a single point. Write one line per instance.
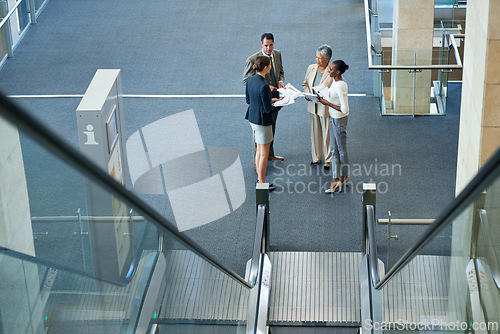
(340, 65)
(261, 62)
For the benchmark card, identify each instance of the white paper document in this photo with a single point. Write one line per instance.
(321, 89)
(288, 94)
(310, 96)
(291, 91)
(286, 100)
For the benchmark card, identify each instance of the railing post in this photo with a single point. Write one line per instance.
(262, 197)
(82, 241)
(370, 268)
(8, 35)
(32, 11)
(369, 198)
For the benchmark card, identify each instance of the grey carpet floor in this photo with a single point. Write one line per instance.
(198, 47)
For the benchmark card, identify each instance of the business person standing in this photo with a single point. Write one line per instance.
(339, 109)
(317, 74)
(274, 78)
(259, 114)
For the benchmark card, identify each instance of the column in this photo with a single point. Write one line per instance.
(15, 218)
(20, 307)
(479, 135)
(413, 30)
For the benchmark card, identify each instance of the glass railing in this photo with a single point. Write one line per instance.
(39, 296)
(413, 81)
(449, 280)
(82, 253)
(487, 255)
(16, 18)
(414, 91)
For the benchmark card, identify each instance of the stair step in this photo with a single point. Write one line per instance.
(315, 287)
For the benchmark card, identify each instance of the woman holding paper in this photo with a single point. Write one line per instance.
(259, 114)
(339, 109)
(317, 74)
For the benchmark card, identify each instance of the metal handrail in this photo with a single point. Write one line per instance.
(9, 14)
(54, 265)
(372, 245)
(405, 221)
(490, 252)
(54, 219)
(408, 67)
(57, 145)
(485, 177)
(257, 245)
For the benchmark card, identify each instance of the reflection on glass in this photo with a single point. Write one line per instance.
(450, 285)
(96, 264)
(488, 254)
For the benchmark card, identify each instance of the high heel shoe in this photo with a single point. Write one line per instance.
(346, 181)
(334, 189)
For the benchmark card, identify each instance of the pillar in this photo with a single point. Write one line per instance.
(15, 218)
(413, 31)
(19, 281)
(479, 135)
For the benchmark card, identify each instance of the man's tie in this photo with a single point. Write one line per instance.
(274, 82)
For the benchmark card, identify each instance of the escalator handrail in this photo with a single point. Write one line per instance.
(257, 245)
(38, 261)
(372, 245)
(485, 177)
(47, 138)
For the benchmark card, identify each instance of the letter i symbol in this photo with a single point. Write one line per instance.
(90, 135)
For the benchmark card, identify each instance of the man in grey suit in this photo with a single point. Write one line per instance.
(274, 78)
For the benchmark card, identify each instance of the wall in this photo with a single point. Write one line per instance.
(15, 218)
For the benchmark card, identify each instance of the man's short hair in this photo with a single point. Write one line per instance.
(266, 35)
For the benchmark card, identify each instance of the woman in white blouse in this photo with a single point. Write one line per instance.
(339, 109)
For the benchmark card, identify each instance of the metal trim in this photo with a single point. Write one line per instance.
(413, 221)
(372, 245)
(257, 245)
(9, 14)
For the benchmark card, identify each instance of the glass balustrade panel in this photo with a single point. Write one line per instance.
(438, 290)
(488, 255)
(93, 258)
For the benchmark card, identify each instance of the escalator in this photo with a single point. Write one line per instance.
(129, 271)
(448, 281)
(153, 279)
